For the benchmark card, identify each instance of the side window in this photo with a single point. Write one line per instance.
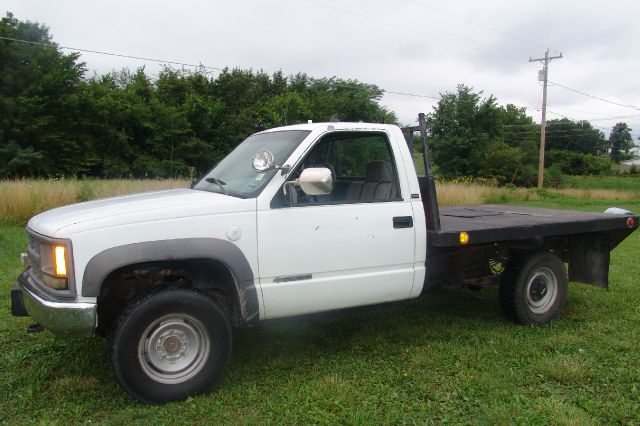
(362, 166)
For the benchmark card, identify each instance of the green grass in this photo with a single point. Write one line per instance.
(604, 182)
(560, 202)
(447, 357)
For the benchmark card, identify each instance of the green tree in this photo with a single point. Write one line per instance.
(621, 142)
(474, 136)
(573, 163)
(504, 163)
(56, 121)
(579, 137)
(458, 141)
(39, 102)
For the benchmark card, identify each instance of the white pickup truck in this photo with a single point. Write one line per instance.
(295, 220)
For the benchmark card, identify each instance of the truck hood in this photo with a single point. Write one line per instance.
(146, 207)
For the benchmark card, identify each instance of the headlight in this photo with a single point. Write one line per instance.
(60, 261)
(55, 265)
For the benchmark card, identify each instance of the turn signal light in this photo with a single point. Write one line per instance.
(464, 238)
(60, 261)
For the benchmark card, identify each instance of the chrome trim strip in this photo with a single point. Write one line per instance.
(292, 278)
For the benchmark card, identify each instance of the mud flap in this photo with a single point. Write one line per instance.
(17, 302)
(589, 258)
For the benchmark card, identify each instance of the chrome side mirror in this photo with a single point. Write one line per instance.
(263, 161)
(316, 181)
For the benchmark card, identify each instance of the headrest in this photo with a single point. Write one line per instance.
(379, 171)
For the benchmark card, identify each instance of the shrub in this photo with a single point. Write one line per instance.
(573, 163)
(553, 177)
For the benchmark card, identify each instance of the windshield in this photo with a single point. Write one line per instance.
(235, 175)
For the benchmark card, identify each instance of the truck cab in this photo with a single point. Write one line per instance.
(331, 250)
(258, 237)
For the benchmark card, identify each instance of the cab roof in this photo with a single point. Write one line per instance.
(335, 125)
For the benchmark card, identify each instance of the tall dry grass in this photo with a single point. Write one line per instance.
(24, 198)
(597, 194)
(450, 194)
(454, 194)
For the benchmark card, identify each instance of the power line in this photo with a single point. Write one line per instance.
(573, 119)
(555, 128)
(556, 133)
(572, 109)
(594, 97)
(633, 117)
(521, 125)
(484, 27)
(119, 55)
(394, 25)
(411, 94)
(165, 61)
(550, 130)
(201, 66)
(439, 34)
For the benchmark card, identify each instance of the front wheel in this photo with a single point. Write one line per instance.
(170, 345)
(535, 291)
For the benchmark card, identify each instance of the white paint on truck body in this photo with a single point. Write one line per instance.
(352, 252)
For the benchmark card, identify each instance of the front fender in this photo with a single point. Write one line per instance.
(107, 261)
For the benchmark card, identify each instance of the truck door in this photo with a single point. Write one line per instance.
(352, 247)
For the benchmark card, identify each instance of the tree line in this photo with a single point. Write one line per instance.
(55, 120)
(476, 137)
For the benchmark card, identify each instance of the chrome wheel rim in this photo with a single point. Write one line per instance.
(173, 348)
(542, 290)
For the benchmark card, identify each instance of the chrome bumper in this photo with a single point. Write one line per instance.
(65, 318)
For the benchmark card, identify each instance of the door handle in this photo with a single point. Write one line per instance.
(403, 222)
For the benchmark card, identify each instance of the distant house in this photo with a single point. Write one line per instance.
(627, 165)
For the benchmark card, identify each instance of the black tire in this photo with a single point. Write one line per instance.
(535, 289)
(169, 345)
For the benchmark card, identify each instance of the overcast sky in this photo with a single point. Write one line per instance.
(421, 47)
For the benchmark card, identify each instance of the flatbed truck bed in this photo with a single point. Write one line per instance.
(473, 245)
(490, 244)
(494, 223)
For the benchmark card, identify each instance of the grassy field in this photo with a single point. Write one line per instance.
(22, 199)
(447, 357)
(604, 182)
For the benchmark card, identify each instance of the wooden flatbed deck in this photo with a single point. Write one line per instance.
(488, 223)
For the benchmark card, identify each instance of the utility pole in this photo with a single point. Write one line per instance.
(543, 123)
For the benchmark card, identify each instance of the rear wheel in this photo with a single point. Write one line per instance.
(534, 291)
(169, 345)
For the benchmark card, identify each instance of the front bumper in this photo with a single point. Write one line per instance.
(66, 318)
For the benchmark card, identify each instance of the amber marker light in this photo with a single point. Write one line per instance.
(464, 238)
(60, 260)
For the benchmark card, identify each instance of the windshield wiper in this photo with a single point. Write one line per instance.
(217, 182)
